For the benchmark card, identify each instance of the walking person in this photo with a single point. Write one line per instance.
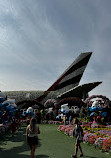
(78, 133)
(14, 127)
(32, 132)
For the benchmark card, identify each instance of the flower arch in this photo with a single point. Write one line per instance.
(50, 103)
(28, 103)
(104, 98)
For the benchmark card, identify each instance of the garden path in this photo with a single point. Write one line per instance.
(52, 144)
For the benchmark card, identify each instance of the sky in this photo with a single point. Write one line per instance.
(39, 39)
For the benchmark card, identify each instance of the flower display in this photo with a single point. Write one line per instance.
(92, 139)
(88, 136)
(93, 125)
(104, 98)
(99, 142)
(99, 135)
(106, 146)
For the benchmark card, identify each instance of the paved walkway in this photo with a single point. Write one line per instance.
(52, 144)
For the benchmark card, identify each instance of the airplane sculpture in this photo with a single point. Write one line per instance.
(67, 85)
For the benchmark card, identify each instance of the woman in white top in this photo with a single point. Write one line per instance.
(32, 132)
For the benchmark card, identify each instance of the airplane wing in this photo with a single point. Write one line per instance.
(79, 91)
(70, 77)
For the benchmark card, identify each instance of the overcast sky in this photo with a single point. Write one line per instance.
(39, 39)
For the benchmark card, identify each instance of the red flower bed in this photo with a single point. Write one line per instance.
(92, 139)
(87, 125)
(101, 126)
(106, 145)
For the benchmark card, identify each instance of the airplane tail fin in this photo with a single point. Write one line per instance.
(70, 77)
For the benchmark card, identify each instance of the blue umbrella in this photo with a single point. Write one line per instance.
(92, 114)
(1, 99)
(100, 109)
(11, 113)
(9, 108)
(1, 105)
(104, 114)
(57, 117)
(6, 104)
(95, 108)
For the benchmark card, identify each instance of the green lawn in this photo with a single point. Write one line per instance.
(52, 144)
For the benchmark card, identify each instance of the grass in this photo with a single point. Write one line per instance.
(52, 144)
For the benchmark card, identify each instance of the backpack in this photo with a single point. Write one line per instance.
(79, 132)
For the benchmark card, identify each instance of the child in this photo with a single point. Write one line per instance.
(78, 132)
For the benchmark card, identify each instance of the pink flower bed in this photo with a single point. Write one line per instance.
(96, 135)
